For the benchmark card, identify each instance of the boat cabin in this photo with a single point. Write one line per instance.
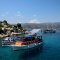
(29, 40)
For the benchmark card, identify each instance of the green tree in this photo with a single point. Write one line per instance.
(1, 25)
(15, 28)
(5, 22)
(19, 26)
(1, 31)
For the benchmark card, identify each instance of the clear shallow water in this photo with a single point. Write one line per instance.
(49, 51)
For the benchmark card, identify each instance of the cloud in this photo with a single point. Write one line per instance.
(34, 21)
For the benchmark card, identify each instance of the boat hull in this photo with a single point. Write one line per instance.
(27, 47)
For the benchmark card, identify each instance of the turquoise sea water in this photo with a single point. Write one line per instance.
(49, 51)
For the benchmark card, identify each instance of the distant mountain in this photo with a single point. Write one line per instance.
(42, 25)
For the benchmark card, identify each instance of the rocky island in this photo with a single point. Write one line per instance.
(6, 29)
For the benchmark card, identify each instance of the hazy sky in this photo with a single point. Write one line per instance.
(37, 11)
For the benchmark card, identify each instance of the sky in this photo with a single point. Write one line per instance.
(30, 11)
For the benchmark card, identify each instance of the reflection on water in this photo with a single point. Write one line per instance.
(30, 54)
(7, 53)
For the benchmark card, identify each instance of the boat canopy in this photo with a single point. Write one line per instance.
(35, 31)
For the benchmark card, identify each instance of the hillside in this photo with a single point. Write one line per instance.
(42, 25)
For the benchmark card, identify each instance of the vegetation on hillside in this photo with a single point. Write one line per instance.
(5, 27)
